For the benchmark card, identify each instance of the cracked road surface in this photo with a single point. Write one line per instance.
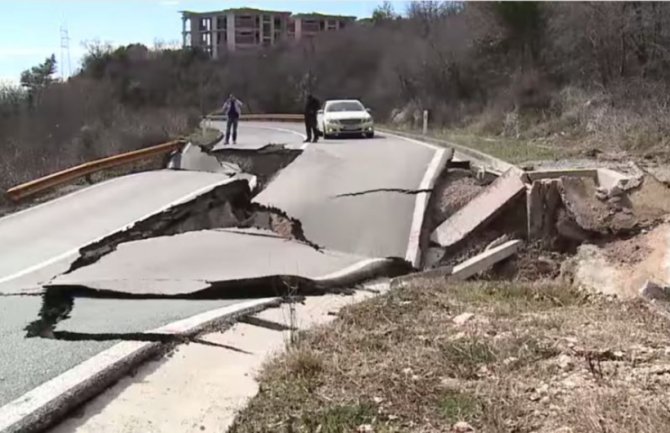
(196, 261)
(321, 190)
(40, 242)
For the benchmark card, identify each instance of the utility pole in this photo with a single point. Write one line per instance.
(65, 53)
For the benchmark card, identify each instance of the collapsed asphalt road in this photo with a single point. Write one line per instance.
(342, 211)
(338, 190)
(41, 242)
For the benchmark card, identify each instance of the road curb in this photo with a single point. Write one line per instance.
(46, 404)
(488, 162)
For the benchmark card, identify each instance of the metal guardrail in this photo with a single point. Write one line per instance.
(36, 186)
(261, 117)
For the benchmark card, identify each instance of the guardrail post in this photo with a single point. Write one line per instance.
(425, 122)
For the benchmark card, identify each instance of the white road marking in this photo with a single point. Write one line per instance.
(411, 140)
(59, 199)
(95, 373)
(290, 131)
(74, 251)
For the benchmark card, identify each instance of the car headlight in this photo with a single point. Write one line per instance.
(333, 122)
(367, 122)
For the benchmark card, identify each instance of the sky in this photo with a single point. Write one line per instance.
(32, 28)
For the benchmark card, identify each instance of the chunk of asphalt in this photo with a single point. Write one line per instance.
(219, 207)
(230, 264)
(479, 210)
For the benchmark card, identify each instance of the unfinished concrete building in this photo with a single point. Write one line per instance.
(234, 29)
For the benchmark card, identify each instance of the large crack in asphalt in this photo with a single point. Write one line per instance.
(378, 190)
(264, 163)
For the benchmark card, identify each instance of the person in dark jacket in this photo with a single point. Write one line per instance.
(232, 108)
(312, 106)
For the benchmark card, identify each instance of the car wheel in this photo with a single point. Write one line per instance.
(370, 135)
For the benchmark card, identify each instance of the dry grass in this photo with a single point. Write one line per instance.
(532, 358)
(128, 133)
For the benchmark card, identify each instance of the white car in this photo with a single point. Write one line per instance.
(345, 117)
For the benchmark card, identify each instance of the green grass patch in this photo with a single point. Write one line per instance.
(459, 406)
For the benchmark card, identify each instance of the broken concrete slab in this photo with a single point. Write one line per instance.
(543, 201)
(480, 210)
(485, 260)
(555, 174)
(226, 263)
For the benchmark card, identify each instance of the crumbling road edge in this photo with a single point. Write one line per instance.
(44, 405)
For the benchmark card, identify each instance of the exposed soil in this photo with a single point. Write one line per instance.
(622, 267)
(592, 214)
(629, 251)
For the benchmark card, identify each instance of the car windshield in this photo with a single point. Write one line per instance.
(345, 106)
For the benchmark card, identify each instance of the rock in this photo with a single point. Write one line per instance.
(565, 362)
(563, 430)
(450, 383)
(462, 427)
(462, 318)
(653, 291)
(365, 428)
(660, 369)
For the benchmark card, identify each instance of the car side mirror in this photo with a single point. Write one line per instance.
(369, 110)
(320, 112)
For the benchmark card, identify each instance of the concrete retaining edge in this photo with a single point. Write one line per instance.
(46, 404)
(485, 161)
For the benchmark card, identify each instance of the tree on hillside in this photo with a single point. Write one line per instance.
(384, 13)
(37, 78)
(524, 24)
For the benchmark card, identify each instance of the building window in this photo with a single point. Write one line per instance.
(221, 23)
(205, 24)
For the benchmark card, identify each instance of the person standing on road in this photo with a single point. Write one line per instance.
(312, 106)
(232, 108)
